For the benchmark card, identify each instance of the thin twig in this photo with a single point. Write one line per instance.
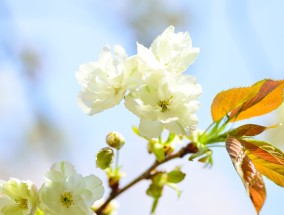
(189, 148)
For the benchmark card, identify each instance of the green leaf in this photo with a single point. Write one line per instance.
(135, 130)
(154, 205)
(160, 178)
(170, 139)
(202, 148)
(207, 159)
(175, 188)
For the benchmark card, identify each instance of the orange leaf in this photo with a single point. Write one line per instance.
(269, 97)
(248, 130)
(274, 172)
(246, 169)
(264, 151)
(246, 102)
(228, 100)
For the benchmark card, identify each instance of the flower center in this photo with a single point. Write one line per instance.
(66, 199)
(22, 203)
(164, 104)
(116, 90)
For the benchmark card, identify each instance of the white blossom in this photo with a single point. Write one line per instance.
(67, 193)
(170, 51)
(151, 82)
(106, 81)
(17, 197)
(166, 100)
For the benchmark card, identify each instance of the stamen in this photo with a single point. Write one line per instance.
(66, 199)
(164, 104)
(23, 203)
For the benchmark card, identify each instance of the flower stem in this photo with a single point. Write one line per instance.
(117, 161)
(189, 148)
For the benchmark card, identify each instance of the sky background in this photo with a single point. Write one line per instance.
(42, 44)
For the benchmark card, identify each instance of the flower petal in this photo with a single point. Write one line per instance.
(150, 128)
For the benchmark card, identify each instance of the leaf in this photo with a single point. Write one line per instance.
(135, 130)
(226, 101)
(274, 172)
(267, 159)
(246, 169)
(264, 151)
(254, 183)
(246, 102)
(154, 205)
(170, 139)
(269, 97)
(248, 130)
(175, 188)
(207, 159)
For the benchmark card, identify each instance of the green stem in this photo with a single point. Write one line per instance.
(116, 161)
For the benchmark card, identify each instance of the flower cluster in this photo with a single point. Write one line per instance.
(65, 192)
(152, 83)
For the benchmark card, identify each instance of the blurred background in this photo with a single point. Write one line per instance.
(42, 44)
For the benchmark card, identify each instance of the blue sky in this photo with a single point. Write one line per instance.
(240, 44)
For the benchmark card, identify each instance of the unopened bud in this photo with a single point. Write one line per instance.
(104, 158)
(115, 140)
(175, 176)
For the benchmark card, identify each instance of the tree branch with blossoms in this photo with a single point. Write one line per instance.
(155, 88)
(147, 174)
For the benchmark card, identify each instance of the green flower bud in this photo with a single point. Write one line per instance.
(155, 191)
(104, 158)
(115, 140)
(158, 150)
(160, 178)
(175, 176)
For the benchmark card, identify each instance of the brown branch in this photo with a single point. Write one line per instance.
(189, 148)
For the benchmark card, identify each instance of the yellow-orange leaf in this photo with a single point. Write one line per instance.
(246, 102)
(269, 97)
(247, 171)
(274, 172)
(264, 151)
(228, 100)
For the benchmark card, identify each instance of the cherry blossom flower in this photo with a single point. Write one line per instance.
(65, 192)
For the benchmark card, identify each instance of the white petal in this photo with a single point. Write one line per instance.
(150, 129)
(175, 128)
(147, 56)
(95, 185)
